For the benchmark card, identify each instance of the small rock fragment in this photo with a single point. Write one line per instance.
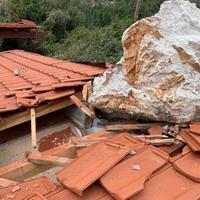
(136, 167)
(132, 153)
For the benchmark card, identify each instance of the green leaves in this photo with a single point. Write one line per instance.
(81, 30)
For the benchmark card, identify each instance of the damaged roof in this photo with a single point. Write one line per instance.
(28, 79)
(119, 167)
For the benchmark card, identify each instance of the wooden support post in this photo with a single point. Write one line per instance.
(33, 128)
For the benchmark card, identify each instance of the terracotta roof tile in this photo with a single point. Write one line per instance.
(127, 140)
(21, 71)
(169, 185)
(42, 185)
(88, 168)
(94, 192)
(192, 139)
(189, 165)
(23, 24)
(123, 139)
(128, 177)
(195, 128)
(35, 196)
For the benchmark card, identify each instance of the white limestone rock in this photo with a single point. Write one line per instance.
(158, 77)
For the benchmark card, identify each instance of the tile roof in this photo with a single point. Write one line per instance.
(23, 24)
(189, 165)
(94, 192)
(108, 172)
(42, 185)
(133, 173)
(88, 168)
(27, 79)
(169, 185)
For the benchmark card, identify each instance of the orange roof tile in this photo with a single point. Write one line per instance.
(42, 185)
(22, 71)
(35, 196)
(189, 165)
(169, 185)
(88, 168)
(94, 192)
(192, 139)
(128, 177)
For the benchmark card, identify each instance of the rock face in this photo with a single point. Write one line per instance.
(158, 77)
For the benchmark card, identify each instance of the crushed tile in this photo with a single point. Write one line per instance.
(44, 186)
(195, 128)
(189, 166)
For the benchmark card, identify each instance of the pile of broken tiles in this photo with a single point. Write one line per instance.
(120, 167)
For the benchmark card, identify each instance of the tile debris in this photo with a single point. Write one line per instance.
(107, 170)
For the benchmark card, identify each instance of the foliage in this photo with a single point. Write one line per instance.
(81, 30)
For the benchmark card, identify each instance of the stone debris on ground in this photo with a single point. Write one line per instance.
(160, 69)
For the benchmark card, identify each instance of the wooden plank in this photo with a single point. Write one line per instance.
(22, 170)
(81, 142)
(6, 183)
(24, 116)
(33, 128)
(151, 136)
(87, 90)
(122, 127)
(159, 142)
(49, 160)
(82, 106)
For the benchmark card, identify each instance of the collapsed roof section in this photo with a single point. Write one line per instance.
(29, 79)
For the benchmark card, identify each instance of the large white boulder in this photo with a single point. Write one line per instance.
(158, 77)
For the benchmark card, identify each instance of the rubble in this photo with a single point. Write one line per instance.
(118, 166)
(158, 75)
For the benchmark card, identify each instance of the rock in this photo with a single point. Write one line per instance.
(158, 77)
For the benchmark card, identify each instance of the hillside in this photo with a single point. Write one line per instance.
(81, 30)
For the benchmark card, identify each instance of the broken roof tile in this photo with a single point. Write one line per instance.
(128, 177)
(35, 196)
(195, 128)
(51, 95)
(94, 192)
(88, 168)
(42, 185)
(126, 139)
(169, 185)
(189, 165)
(192, 139)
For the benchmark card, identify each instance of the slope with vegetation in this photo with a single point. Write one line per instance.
(81, 30)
